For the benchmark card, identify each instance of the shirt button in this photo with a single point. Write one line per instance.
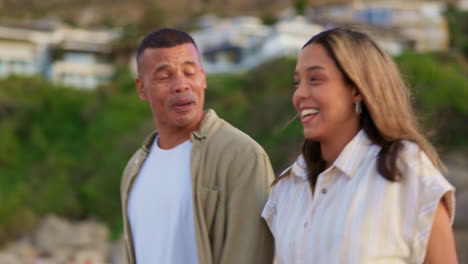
(324, 190)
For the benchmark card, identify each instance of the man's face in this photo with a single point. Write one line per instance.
(173, 82)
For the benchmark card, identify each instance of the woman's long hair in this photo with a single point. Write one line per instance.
(387, 116)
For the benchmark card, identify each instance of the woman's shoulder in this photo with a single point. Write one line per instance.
(421, 174)
(409, 149)
(290, 180)
(413, 160)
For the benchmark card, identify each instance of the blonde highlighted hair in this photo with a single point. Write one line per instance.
(387, 116)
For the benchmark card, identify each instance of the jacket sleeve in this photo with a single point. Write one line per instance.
(247, 238)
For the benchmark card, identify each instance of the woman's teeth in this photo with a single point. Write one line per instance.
(306, 112)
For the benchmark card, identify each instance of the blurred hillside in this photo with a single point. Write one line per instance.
(316, 3)
(63, 150)
(98, 13)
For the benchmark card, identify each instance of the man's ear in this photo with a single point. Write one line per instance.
(204, 83)
(140, 88)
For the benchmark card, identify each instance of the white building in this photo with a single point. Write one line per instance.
(242, 43)
(73, 57)
(23, 51)
(232, 44)
(462, 5)
(83, 59)
(421, 22)
(288, 38)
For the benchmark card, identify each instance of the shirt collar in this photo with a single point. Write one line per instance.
(207, 127)
(299, 168)
(348, 162)
(353, 154)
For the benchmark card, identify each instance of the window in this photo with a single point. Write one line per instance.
(80, 57)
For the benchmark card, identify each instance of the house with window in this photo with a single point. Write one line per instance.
(23, 50)
(419, 22)
(73, 57)
(82, 58)
(242, 43)
(288, 37)
(231, 44)
(462, 5)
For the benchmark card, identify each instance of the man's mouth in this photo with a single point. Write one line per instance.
(183, 105)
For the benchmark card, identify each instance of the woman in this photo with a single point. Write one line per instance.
(367, 187)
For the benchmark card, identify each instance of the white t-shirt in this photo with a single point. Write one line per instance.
(160, 208)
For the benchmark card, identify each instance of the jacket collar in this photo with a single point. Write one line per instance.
(206, 128)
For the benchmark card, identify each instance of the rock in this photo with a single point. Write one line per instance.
(73, 242)
(461, 240)
(461, 209)
(10, 258)
(90, 256)
(457, 165)
(45, 260)
(24, 250)
(117, 252)
(53, 233)
(91, 234)
(64, 254)
(59, 241)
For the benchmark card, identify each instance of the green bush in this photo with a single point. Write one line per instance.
(63, 150)
(458, 29)
(440, 86)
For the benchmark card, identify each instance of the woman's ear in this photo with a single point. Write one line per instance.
(357, 97)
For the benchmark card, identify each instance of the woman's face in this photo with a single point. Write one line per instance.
(323, 100)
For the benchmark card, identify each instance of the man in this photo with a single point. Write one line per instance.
(193, 193)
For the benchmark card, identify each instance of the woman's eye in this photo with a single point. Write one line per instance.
(315, 80)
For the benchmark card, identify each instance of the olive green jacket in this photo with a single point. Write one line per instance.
(231, 176)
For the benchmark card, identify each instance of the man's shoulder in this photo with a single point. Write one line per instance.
(229, 136)
(134, 163)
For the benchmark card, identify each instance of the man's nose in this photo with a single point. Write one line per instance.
(181, 84)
